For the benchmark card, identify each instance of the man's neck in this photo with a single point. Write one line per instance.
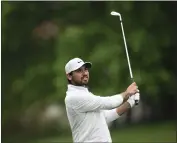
(82, 86)
(86, 86)
(74, 87)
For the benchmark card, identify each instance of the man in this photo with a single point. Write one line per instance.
(87, 113)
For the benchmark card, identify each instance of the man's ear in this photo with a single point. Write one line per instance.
(69, 76)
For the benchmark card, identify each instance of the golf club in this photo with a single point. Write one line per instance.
(114, 13)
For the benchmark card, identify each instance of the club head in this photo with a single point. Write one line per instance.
(114, 13)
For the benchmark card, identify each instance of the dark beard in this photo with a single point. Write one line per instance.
(76, 83)
(79, 83)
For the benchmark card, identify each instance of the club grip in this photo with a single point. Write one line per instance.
(136, 101)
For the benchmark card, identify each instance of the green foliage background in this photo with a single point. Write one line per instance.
(38, 38)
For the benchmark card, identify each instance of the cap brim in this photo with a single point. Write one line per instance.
(88, 65)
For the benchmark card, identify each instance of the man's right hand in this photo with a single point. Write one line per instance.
(131, 90)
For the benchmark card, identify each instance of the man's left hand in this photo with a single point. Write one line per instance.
(132, 99)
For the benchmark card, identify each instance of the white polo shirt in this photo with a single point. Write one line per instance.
(89, 115)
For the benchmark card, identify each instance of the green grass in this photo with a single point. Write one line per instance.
(163, 132)
(150, 133)
(156, 132)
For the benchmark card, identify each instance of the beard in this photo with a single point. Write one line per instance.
(81, 82)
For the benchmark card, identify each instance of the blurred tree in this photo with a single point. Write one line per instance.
(38, 38)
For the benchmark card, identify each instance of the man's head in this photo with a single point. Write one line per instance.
(77, 71)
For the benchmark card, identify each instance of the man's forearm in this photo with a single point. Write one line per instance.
(125, 96)
(123, 108)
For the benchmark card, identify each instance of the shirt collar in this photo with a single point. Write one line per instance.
(73, 87)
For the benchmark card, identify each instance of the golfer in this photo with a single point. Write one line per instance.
(89, 114)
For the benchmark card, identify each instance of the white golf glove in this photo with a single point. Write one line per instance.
(132, 99)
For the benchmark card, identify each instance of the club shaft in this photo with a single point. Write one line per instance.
(128, 60)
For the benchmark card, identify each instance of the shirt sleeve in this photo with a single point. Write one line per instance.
(110, 115)
(85, 102)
